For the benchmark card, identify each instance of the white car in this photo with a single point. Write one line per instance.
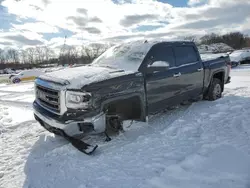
(25, 76)
(240, 57)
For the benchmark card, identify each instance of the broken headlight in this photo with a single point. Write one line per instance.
(78, 100)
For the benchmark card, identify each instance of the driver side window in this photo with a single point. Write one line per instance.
(162, 53)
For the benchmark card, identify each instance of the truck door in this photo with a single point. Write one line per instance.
(161, 86)
(191, 70)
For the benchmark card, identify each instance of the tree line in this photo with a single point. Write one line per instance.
(45, 55)
(236, 40)
(85, 54)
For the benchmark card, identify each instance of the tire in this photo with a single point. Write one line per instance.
(16, 80)
(215, 90)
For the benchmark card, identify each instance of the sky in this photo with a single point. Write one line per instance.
(30, 23)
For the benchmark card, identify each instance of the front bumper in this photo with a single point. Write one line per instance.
(89, 125)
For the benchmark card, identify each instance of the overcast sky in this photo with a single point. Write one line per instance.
(26, 23)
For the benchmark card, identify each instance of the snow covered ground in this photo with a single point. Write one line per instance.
(202, 145)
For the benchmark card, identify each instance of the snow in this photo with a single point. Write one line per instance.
(215, 48)
(80, 76)
(127, 56)
(202, 145)
(160, 64)
(239, 55)
(210, 56)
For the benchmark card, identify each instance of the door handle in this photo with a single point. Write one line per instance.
(177, 75)
(201, 69)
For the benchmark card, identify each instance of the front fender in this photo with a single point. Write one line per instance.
(118, 89)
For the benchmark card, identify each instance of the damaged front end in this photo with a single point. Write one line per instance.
(52, 112)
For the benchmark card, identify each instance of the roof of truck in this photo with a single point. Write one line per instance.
(153, 42)
(145, 45)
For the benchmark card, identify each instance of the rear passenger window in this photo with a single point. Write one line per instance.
(185, 55)
(162, 53)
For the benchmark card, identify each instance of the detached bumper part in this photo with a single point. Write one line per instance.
(78, 144)
(70, 128)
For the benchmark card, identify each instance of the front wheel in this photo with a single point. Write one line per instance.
(113, 124)
(215, 90)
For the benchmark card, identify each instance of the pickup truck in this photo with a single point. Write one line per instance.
(128, 82)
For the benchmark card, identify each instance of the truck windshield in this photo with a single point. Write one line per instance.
(126, 56)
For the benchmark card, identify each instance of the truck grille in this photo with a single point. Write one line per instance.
(48, 98)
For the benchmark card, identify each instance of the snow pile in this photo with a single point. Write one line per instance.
(225, 166)
(215, 48)
(202, 145)
(210, 56)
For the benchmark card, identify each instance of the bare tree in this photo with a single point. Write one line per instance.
(72, 55)
(24, 56)
(39, 54)
(48, 53)
(191, 38)
(2, 56)
(12, 56)
(43, 53)
(31, 55)
(93, 51)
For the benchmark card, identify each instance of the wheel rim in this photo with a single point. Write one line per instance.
(16, 81)
(217, 91)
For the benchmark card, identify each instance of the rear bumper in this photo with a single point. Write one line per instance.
(96, 124)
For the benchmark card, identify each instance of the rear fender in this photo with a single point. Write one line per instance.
(214, 75)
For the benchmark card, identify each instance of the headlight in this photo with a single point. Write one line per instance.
(78, 100)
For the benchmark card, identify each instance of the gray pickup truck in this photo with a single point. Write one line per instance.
(127, 82)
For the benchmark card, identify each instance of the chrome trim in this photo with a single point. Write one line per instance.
(188, 64)
(43, 96)
(46, 105)
(71, 127)
(47, 108)
(54, 88)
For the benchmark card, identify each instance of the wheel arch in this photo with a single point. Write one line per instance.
(129, 107)
(220, 74)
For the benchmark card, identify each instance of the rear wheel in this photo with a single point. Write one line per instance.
(215, 90)
(16, 80)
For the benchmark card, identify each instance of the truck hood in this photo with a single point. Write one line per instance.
(76, 78)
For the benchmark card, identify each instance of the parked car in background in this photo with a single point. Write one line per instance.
(240, 57)
(9, 71)
(25, 76)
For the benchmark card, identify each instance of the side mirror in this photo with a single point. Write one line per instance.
(158, 66)
(162, 64)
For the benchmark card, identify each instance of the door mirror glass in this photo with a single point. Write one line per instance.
(162, 64)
